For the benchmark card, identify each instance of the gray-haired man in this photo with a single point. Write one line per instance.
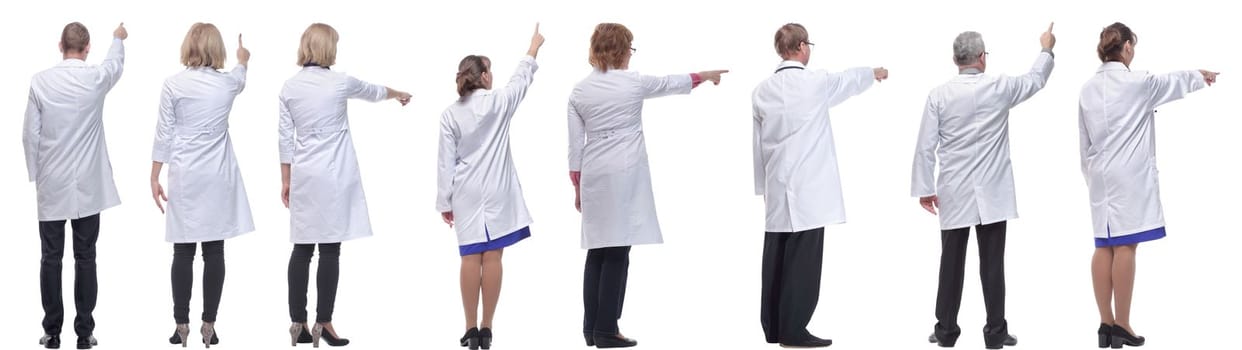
(966, 126)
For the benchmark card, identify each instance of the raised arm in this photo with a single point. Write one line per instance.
(851, 82)
(243, 63)
(114, 64)
(31, 132)
(446, 164)
(1021, 88)
(1174, 86)
(359, 89)
(515, 91)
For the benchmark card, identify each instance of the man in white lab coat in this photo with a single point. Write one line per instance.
(966, 125)
(796, 173)
(67, 159)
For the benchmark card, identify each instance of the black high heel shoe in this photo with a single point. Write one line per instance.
(1105, 334)
(318, 332)
(471, 339)
(180, 335)
(299, 334)
(485, 338)
(209, 335)
(1119, 337)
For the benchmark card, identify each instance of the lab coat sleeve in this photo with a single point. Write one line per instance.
(286, 133)
(652, 86)
(165, 127)
(519, 83)
(757, 154)
(359, 89)
(849, 83)
(1021, 88)
(30, 135)
(114, 64)
(1084, 141)
(1173, 86)
(923, 173)
(447, 164)
(239, 76)
(577, 138)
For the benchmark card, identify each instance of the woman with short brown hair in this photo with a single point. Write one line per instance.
(608, 168)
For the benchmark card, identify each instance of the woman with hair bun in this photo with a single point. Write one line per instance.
(1116, 114)
(478, 190)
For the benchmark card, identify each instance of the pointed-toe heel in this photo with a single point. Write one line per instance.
(209, 335)
(181, 335)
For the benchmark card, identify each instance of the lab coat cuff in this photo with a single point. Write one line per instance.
(1049, 51)
(286, 158)
(443, 207)
(160, 155)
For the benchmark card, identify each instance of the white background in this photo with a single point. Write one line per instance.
(399, 289)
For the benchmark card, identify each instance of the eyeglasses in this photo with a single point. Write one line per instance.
(809, 45)
(633, 50)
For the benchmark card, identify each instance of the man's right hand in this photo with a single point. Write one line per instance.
(930, 203)
(120, 32)
(1047, 39)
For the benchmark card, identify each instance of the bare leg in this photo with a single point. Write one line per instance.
(1102, 280)
(492, 271)
(471, 269)
(1123, 282)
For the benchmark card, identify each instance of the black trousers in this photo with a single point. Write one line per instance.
(991, 239)
(85, 280)
(792, 263)
(328, 274)
(603, 289)
(183, 279)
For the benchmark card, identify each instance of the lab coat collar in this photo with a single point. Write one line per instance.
(790, 63)
(1113, 66)
(71, 62)
(971, 70)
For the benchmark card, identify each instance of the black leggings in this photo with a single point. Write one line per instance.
(183, 279)
(326, 279)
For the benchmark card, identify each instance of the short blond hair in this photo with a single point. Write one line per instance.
(318, 45)
(610, 46)
(203, 47)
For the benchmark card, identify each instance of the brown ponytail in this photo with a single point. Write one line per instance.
(470, 73)
(1113, 40)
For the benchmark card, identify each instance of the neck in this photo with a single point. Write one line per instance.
(75, 55)
(973, 68)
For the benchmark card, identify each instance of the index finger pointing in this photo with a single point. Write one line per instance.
(1050, 26)
(239, 39)
(536, 27)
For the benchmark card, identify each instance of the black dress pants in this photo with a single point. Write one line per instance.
(991, 239)
(603, 289)
(85, 280)
(792, 262)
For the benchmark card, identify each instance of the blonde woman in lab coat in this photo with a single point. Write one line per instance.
(478, 189)
(608, 168)
(67, 159)
(1116, 114)
(209, 203)
(322, 186)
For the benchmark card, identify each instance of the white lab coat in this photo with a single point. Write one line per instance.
(795, 157)
(1116, 113)
(206, 196)
(476, 178)
(326, 201)
(63, 137)
(966, 125)
(606, 144)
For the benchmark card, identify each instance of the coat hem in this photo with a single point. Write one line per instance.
(804, 228)
(217, 237)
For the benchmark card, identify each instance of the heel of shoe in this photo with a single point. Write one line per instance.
(209, 332)
(295, 332)
(1105, 341)
(485, 338)
(183, 332)
(316, 333)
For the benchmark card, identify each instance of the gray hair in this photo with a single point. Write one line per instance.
(967, 48)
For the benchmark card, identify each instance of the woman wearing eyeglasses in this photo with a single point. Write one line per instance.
(608, 168)
(1116, 115)
(479, 193)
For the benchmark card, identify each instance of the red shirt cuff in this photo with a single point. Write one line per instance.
(696, 79)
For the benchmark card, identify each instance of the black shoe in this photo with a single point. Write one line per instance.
(999, 341)
(613, 341)
(1105, 334)
(943, 341)
(471, 338)
(1119, 337)
(812, 342)
(485, 338)
(590, 339)
(87, 342)
(319, 332)
(50, 341)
